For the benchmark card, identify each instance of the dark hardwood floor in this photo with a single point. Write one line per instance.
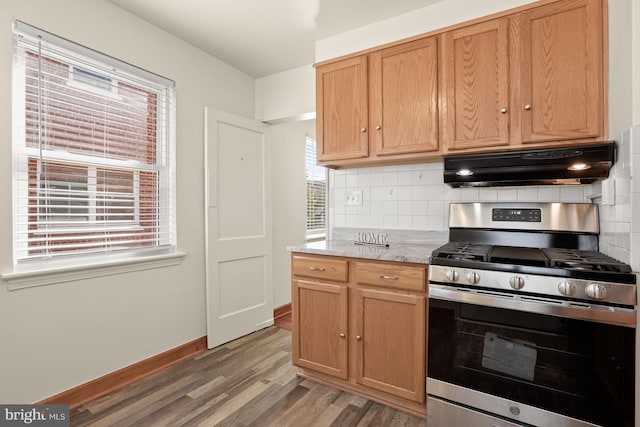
(247, 382)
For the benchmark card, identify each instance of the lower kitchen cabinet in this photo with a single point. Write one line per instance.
(362, 330)
(390, 342)
(320, 327)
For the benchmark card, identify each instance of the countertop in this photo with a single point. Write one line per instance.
(398, 252)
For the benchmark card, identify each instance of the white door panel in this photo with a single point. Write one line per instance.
(238, 227)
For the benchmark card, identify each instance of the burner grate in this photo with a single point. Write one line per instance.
(463, 251)
(573, 259)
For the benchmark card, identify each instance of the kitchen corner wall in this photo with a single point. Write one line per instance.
(414, 197)
(620, 202)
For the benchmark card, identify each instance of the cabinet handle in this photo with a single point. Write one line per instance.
(503, 111)
(342, 335)
(316, 268)
(378, 127)
(527, 107)
(358, 338)
(363, 130)
(385, 277)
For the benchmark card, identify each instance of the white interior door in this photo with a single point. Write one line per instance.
(238, 227)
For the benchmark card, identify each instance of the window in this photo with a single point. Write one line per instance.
(316, 193)
(93, 154)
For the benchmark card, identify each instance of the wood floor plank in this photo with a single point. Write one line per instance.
(205, 388)
(271, 416)
(304, 412)
(351, 415)
(136, 410)
(257, 407)
(234, 404)
(249, 382)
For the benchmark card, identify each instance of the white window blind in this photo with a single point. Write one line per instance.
(94, 168)
(316, 191)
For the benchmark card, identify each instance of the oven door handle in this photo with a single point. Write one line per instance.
(574, 310)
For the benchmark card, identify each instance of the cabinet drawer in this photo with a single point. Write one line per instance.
(398, 277)
(321, 268)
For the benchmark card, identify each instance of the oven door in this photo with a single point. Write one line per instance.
(526, 367)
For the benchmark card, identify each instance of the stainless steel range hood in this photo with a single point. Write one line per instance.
(553, 166)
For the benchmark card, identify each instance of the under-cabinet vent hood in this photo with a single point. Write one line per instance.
(552, 166)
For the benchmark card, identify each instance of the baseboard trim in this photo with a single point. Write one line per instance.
(106, 384)
(281, 311)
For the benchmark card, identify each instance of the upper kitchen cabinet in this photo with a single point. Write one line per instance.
(533, 78)
(342, 110)
(400, 93)
(403, 89)
(561, 75)
(475, 69)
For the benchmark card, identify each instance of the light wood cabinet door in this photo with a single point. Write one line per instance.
(319, 338)
(562, 71)
(476, 85)
(404, 92)
(389, 340)
(342, 110)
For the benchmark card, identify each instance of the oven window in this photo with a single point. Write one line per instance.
(580, 369)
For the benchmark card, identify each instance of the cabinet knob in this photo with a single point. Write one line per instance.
(363, 130)
(342, 335)
(527, 107)
(316, 268)
(358, 338)
(385, 277)
(378, 127)
(503, 111)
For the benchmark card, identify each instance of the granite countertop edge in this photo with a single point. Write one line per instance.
(398, 252)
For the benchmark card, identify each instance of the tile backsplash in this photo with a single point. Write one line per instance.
(620, 202)
(414, 197)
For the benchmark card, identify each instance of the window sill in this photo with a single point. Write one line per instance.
(50, 276)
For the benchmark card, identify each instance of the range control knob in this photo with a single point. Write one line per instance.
(567, 288)
(452, 276)
(596, 291)
(473, 277)
(516, 282)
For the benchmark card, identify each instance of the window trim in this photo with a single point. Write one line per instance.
(17, 280)
(37, 272)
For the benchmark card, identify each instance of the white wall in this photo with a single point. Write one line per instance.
(286, 95)
(635, 48)
(620, 66)
(430, 18)
(59, 336)
(289, 199)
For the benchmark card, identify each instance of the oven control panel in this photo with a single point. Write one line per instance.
(519, 215)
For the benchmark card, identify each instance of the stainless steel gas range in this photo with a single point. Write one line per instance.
(528, 323)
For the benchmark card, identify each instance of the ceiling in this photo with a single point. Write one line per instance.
(263, 37)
